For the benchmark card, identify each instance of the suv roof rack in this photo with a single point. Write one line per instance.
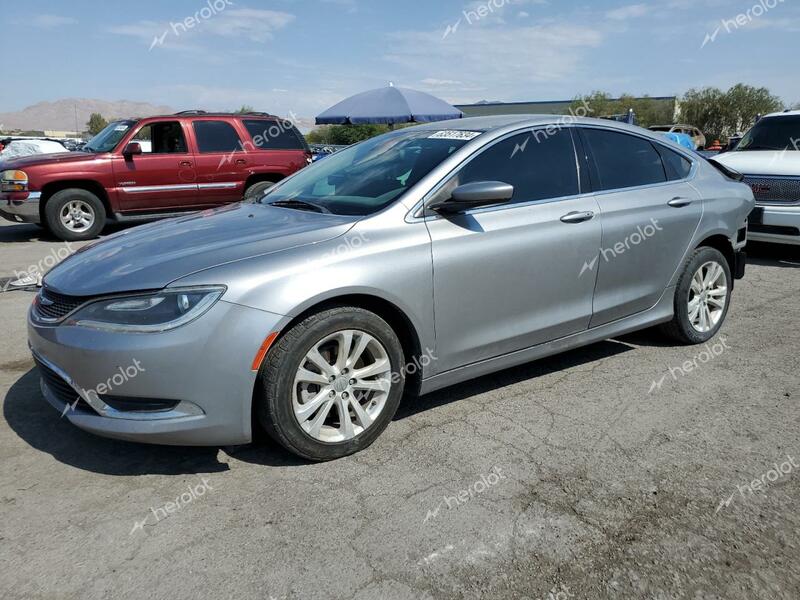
(251, 113)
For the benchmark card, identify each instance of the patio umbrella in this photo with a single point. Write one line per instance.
(389, 105)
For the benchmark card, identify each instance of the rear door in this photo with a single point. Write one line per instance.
(510, 276)
(163, 176)
(275, 147)
(649, 213)
(221, 161)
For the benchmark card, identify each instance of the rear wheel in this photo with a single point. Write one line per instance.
(256, 190)
(331, 384)
(75, 214)
(702, 298)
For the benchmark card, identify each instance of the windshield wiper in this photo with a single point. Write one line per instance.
(300, 205)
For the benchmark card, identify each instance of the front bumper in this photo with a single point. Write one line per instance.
(203, 367)
(778, 224)
(20, 210)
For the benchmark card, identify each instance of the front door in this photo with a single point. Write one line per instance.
(511, 276)
(162, 177)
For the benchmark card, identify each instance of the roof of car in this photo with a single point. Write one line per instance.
(783, 113)
(492, 122)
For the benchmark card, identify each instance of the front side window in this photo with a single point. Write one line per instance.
(773, 133)
(216, 136)
(540, 165)
(367, 177)
(164, 137)
(622, 160)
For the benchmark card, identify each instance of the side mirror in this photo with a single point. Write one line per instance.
(479, 193)
(131, 149)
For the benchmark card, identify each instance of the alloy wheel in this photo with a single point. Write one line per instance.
(341, 386)
(708, 295)
(77, 216)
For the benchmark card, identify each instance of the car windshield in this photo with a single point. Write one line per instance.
(109, 137)
(773, 133)
(369, 176)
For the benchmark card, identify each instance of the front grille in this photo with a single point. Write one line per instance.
(774, 190)
(60, 388)
(54, 306)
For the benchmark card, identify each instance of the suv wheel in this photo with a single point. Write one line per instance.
(75, 214)
(702, 298)
(255, 191)
(331, 384)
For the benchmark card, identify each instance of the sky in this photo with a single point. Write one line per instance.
(301, 56)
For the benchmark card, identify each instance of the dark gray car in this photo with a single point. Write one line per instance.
(415, 260)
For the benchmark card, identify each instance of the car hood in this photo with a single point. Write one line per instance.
(151, 256)
(34, 160)
(762, 162)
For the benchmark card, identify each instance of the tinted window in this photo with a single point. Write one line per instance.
(539, 165)
(161, 138)
(273, 135)
(676, 166)
(216, 136)
(622, 160)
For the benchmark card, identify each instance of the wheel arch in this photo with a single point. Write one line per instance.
(89, 185)
(721, 242)
(259, 177)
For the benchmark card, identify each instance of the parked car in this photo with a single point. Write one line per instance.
(420, 258)
(14, 148)
(769, 157)
(681, 139)
(697, 136)
(144, 169)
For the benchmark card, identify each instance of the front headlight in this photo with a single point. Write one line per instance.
(13, 181)
(148, 313)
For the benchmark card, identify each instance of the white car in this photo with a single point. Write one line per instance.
(698, 138)
(16, 148)
(769, 158)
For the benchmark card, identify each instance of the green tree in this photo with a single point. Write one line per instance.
(721, 114)
(96, 123)
(245, 108)
(649, 111)
(344, 134)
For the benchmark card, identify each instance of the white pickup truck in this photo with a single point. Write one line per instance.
(769, 158)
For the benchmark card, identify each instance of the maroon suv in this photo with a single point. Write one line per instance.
(143, 169)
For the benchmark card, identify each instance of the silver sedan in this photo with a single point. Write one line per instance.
(409, 262)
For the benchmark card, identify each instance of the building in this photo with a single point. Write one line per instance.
(549, 107)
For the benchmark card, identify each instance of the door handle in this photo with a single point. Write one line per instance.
(241, 161)
(577, 217)
(679, 202)
(185, 163)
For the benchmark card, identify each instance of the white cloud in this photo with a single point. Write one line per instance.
(632, 11)
(46, 21)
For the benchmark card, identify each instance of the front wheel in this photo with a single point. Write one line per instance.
(702, 298)
(257, 190)
(74, 215)
(331, 384)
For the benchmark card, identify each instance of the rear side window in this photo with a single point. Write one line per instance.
(540, 165)
(676, 166)
(273, 135)
(216, 136)
(622, 160)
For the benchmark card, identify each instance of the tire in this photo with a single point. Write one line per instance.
(279, 408)
(62, 210)
(255, 191)
(694, 327)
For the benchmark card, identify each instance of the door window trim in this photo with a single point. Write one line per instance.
(421, 212)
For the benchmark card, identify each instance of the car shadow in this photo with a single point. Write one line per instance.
(773, 255)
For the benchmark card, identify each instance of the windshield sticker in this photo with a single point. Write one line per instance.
(121, 128)
(454, 134)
